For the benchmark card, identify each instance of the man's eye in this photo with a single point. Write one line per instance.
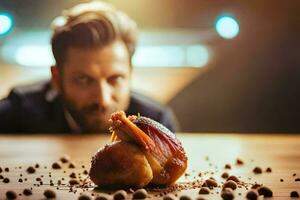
(83, 80)
(115, 79)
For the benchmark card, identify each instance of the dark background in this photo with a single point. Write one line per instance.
(254, 84)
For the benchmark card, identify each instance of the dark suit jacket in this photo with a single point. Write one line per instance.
(28, 109)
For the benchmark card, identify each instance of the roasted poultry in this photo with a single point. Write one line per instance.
(142, 152)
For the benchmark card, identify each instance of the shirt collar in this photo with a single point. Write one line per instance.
(75, 128)
(50, 96)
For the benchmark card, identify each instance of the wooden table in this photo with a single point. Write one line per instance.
(207, 153)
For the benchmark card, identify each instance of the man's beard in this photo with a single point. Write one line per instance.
(99, 114)
(91, 118)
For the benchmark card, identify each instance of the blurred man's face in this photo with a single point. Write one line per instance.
(94, 83)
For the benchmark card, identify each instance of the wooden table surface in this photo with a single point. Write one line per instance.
(207, 153)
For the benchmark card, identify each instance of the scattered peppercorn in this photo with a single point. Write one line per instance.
(140, 194)
(257, 170)
(120, 194)
(227, 194)
(233, 178)
(263, 190)
(6, 180)
(211, 183)
(49, 194)
(72, 175)
(65, 159)
(239, 162)
(27, 192)
(294, 194)
(269, 169)
(227, 166)
(204, 190)
(73, 182)
(102, 197)
(185, 197)
(11, 195)
(56, 165)
(71, 165)
(84, 197)
(255, 186)
(169, 197)
(200, 198)
(30, 170)
(225, 175)
(230, 184)
(252, 194)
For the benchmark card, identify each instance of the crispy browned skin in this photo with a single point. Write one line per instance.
(119, 165)
(143, 151)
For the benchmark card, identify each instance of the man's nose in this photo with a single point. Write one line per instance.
(104, 94)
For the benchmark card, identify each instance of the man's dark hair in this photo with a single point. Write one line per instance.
(91, 25)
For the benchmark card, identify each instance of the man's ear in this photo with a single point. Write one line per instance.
(55, 78)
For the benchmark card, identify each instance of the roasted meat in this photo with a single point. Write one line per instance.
(142, 152)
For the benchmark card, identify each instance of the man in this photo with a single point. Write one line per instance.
(92, 44)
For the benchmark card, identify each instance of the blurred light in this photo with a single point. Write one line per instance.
(197, 55)
(34, 56)
(171, 56)
(155, 56)
(227, 27)
(6, 23)
(32, 49)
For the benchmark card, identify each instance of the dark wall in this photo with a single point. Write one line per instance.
(253, 83)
